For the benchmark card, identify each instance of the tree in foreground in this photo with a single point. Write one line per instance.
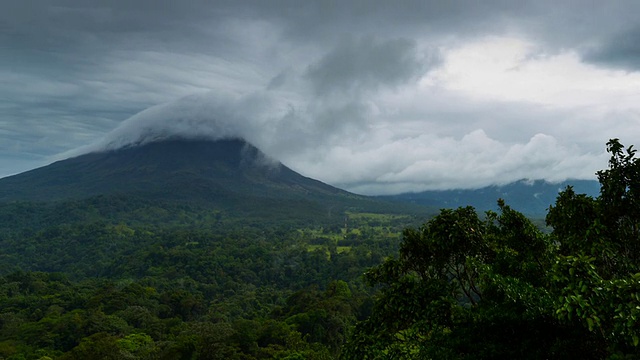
(471, 287)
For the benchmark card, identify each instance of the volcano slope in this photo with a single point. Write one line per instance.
(229, 176)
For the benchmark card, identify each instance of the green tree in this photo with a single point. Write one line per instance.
(597, 271)
(137, 346)
(97, 346)
(470, 287)
(463, 287)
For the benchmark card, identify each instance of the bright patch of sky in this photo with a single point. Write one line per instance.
(514, 70)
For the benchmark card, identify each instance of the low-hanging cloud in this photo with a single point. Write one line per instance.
(427, 162)
(198, 116)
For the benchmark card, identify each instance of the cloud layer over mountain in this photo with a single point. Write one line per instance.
(373, 97)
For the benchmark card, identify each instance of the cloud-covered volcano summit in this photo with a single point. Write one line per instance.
(346, 146)
(198, 117)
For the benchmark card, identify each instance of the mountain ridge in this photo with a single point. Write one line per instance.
(531, 197)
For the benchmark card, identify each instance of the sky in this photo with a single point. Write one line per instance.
(376, 97)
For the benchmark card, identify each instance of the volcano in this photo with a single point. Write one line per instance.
(176, 168)
(228, 173)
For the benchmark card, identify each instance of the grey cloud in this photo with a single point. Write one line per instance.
(356, 65)
(621, 50)
(73, 21)
(101, 16)
(316, 84)
(75, 31)
(198, 25)
(329, 20)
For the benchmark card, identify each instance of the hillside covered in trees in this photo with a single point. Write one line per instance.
(121, 277)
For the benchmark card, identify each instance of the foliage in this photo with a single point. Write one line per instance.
(470, 287)
(77, 285)
(128, 278)
(460, 285)
(597, 271)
